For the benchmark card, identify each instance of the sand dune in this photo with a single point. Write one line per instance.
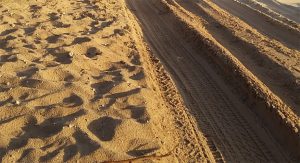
(149, 81)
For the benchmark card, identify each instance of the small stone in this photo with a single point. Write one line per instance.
(71, 54)
(18, 102)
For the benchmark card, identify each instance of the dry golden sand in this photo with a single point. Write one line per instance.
(73, 85)
(147, 81)
(243, 116)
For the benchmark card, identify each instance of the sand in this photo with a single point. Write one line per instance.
(73, 85)
(295, 3)
(289, 9)
(148, 81)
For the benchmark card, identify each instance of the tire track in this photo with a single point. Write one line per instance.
(262, 23)
(270, 66)
(232, 131)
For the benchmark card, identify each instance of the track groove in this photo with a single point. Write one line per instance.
(270, 65)
(232, 132)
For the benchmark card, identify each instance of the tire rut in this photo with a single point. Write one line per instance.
(233, 132)
(262, 23)
(261, 63)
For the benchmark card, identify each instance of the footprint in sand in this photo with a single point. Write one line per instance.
(30, 30)
(102, 88)
(53, 16)
(80, 40)
(29, 72)
(30, 46)
(30, 83)
(6, 101)
(24, 96)
(47, 128)
(3, 88)
(134, 58)
(59, 24)
(92, 52)
(140, 114)
(61, 55)
(4, 45)
(8, 58)
(10, 37)
(15, 125)
(104, 128)
(138, 76)
(84, 143)
(64, 58)
(53, 39)
(73, 100)
(69, 79)
(120, 32)
(8, 31)
(35, 8)
(113, 72)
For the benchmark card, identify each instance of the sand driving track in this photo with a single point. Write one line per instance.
(236, 132)
(267, 58)
(260, 22)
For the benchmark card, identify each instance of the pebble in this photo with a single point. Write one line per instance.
(18, 102)
(71, 54)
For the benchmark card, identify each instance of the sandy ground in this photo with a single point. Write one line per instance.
(149, 81)
(277, 59)
(73, 85)
(261, 23)
(295, 3)
(204, 91)
(287, 8)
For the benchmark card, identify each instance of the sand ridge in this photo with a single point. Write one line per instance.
(195, 61)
